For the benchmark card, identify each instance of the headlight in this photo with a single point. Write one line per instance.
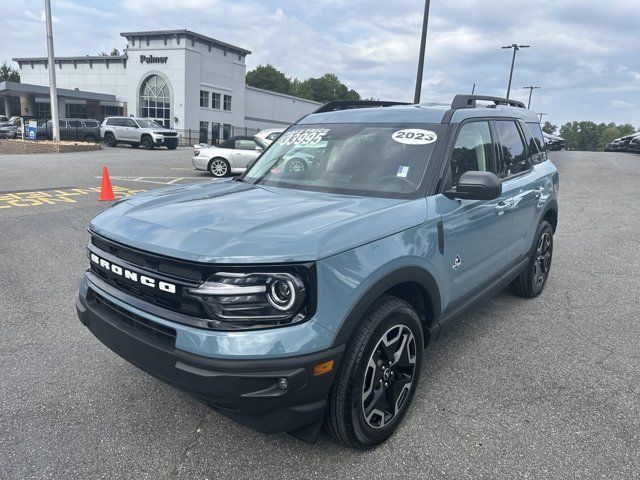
(158, 133)
(256, 299)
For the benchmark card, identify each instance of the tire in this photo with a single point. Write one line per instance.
(147, 143)
(531, 282)
(219, 167)
(110, 140)
(296, 165)
(365, 370)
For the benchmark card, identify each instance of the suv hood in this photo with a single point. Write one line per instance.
(234, 222)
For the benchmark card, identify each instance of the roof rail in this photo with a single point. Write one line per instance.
(348, 104)
(469, 101)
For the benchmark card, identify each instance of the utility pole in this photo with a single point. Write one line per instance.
(423, 44)
(541, 114)
(515, 47)
(531, 88)
(53, 92)
(473, 90)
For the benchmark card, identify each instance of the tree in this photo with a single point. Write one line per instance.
(115, 52)
(270, 78)
(626, 129)
(589, 136)
(549, 128)
(328, 88)
(8, 74)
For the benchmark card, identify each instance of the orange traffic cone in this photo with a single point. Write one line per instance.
(106, 192)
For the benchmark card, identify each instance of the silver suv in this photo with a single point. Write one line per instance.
(136, 132)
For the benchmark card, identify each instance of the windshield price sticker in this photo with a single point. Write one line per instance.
(414, 136)
(306, 136)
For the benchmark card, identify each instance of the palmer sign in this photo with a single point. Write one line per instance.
(152, 59)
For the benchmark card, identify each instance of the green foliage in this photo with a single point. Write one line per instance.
(323, 89)
(8, 74)
(269, 78)
(589, 136)
(549, 127)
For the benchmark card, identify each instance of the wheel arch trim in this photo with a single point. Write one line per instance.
(406, 274)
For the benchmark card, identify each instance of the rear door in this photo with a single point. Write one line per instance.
(477, 233)
(519, 182)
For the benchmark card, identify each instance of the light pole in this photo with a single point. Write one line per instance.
(53, 93)
(515, 47)
(541, 114)
(531, 88)
(423, 44)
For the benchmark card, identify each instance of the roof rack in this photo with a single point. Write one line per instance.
(349, 104)
(469, 101)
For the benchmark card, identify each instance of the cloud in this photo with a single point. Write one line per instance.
(583, 52)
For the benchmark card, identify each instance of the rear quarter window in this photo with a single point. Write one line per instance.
(538, 138)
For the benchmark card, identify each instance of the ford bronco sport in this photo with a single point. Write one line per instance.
(288, 298)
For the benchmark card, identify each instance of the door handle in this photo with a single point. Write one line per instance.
(502, 207)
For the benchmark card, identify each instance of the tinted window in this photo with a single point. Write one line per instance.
(473, 150)
(538, 138)
(74, 124)
(91, 123)
(228, 143)
(514, 154)
(129, 123)
(242, 144)
(112, 121)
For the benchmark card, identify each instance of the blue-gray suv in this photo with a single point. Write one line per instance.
(290, 298)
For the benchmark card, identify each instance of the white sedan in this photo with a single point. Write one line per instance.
(230, 157)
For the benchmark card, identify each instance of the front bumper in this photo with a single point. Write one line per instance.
(249, 391)
(161, 140)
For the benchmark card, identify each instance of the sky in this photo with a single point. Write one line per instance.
(584, 54)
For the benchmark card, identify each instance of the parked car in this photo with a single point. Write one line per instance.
(136, 132)
(270, 134)
(231, 156)
(554, 142)
(623, 142)
(72, 129)
(289, 299)
(9, 131)
(3, 118)
(634, 144)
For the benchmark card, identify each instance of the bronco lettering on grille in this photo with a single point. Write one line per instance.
(133, 276)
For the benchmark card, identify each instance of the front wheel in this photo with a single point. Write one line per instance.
(379, 375)
(147, 143)
(531, 282)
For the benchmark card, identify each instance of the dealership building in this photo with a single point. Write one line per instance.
(183, 79)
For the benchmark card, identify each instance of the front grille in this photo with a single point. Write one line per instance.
(170, 134)
(138, 326)
(182, 275)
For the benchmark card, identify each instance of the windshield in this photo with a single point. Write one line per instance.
(355, 159)
(146, 123)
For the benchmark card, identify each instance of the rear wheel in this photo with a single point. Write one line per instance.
(379, 375)
(110, 139)
(219, 167)
(531, 282)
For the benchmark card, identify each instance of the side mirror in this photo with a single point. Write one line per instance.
(259, 149)
(474, 185)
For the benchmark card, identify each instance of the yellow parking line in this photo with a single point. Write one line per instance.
(36, 198)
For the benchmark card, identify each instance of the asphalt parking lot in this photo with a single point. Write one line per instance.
(544, 388)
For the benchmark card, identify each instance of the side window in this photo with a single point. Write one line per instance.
(514, 153)
(130, 123)
(74, 124)
(244, 144)
(538, 138)
(473, 150)
(227, 143)
(112, 121)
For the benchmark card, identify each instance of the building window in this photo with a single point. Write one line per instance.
(110, 111)
(204, 99)
(43, 110)
(227, 130)
(227, 103)
(215, 101)
(155, 100)
(74, 110)
(204, 132)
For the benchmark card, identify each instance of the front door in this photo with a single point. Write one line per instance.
(245, 151)
(477, 233)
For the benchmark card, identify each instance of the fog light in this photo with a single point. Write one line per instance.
(282, 383)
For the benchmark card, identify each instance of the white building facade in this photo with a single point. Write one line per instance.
(183, 79)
